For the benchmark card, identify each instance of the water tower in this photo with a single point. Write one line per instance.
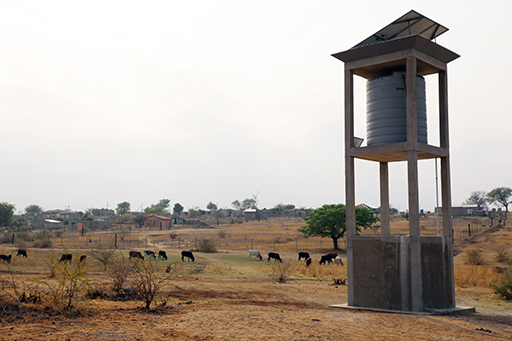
(402, 273)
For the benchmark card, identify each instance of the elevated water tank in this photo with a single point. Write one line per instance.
(386, 109)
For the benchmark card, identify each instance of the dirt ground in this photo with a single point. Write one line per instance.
(244, 304)
(202, 308)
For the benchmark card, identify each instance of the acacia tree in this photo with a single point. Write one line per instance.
(33, 209)
(6, 213)
(123, 208)
(211, 206)
(501, 196)
(478, 198)
(178, 208)
(330, 221)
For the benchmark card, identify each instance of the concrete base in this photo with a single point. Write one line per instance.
(386, 276)
(449, 311)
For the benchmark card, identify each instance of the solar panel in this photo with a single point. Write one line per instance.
(409, 24)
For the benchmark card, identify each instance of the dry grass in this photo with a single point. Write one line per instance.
(475, 276)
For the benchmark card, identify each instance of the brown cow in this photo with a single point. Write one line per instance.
(66, 257)
(82, 258)
(6, 259)
(136, 254)
(308, 261)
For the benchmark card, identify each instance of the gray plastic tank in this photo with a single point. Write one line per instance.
(386, 109)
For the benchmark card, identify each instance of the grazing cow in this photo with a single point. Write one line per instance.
(338, 261)
(22, 253)
(6, 259)
(304, 255)
(187, 254)
(274, 255)
(66, 257)
(149, 253)
(136, 254)
(162, 254)
(308, 261)
(332, 254)
(255, 253)
(82, 258)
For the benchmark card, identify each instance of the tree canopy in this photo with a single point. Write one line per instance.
(211, 206)
(33, 209)
(159, 208)
(6, 213)
(501, 196)
(123, 208)
(478, 198)
(178, 208)
(330, 221)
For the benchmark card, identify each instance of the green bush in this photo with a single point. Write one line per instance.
(42, 235)
(206, 245)
(504, 288)
(44, 243)
(502, 257)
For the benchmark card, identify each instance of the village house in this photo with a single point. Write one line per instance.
(155, 220)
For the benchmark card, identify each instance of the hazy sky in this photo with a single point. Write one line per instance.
(197, 101)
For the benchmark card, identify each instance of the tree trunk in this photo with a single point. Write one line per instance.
(335, 241)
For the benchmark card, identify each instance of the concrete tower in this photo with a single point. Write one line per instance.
(405, 273)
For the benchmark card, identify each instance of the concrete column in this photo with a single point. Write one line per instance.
(445, 161)
(349, 160)
(384, 199)
(412, 172)
(350, 212)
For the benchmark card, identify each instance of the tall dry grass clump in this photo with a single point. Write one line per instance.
(474, 276)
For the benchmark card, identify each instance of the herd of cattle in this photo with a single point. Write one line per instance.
(67, 257)
(328, 258)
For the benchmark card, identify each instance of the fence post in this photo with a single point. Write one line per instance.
(196, 243)
(13, 239)
(296, 245)
(469, 230)
(274, 241)
(252, 242)
(115, 241)
(179, 242)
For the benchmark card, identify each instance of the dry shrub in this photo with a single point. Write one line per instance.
(147, 280)
(67, 293)
(206, 245)
(474, 258)
(118, 268)
(280, 272)
(475, 276)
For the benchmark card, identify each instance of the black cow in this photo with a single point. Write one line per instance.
(274, 255)
(149, 253)
(304, 255)
(66, 257)
(6, 259)
(22, 253)
(162, 254)
(328, 257)
(187, 254)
